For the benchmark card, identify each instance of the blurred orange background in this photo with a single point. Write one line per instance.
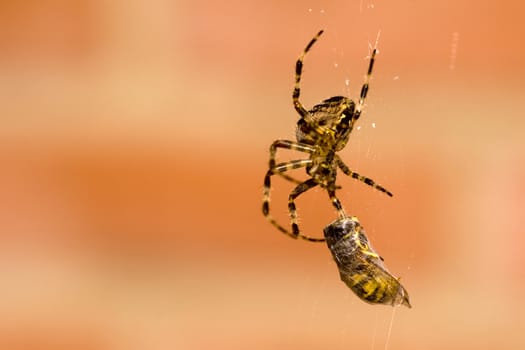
(134, 139)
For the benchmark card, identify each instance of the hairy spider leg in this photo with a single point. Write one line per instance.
(361, 178)
(317, 132)
(286, 144)
(280, 168)
(292, 145)
(336, 203)
(297, 191)
(298, 71)
(275, 169)
(364, 88)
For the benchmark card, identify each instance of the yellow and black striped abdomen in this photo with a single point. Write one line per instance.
(360, 267)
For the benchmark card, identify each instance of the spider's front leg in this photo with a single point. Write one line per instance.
(298, 73)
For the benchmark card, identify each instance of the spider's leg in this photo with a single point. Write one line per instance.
(296, 146)
(290, 178)
(286, 144)
(280, 168)
(364, 88)
(297, 191)
(336, 202)
(361, 178)
(298, 71)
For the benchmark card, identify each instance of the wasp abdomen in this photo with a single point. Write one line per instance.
(360, 267)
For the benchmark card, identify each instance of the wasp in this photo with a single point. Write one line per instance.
(360, 267)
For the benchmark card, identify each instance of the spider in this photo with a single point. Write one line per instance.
(360, 267)
(321, 132)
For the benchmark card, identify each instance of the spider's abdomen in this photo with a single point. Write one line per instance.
(327, 122)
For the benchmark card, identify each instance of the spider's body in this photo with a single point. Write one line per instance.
(321, 133)
(331, 117)
(329, 134)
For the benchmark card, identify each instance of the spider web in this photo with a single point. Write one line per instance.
(363, 148)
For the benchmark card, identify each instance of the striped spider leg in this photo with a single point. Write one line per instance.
(321, 132)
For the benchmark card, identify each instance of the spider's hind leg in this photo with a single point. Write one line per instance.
(362, 178)
(277, 169)
(336, 202)
(297, 191)
(287, 144)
